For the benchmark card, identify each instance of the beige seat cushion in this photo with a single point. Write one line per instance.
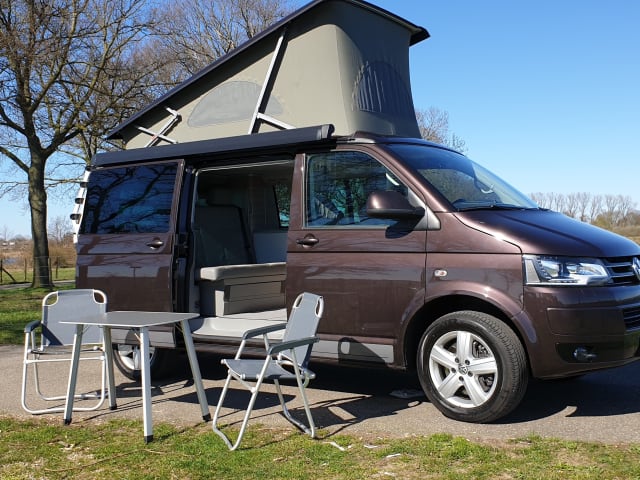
(224, 272)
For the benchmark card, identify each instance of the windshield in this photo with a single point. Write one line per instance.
(464, 183)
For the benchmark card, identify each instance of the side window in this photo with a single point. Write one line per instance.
(130, 200)
(338, 185)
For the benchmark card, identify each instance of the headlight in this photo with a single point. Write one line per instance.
(560, 271)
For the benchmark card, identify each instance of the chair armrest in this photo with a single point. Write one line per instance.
(31, 326)
(291, 344)
(254, 332)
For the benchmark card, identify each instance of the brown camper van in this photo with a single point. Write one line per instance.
(426, 260)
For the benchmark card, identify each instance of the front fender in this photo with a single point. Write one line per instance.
(468, 275)
(461, 281)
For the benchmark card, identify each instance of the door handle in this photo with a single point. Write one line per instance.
(155, 243)
(307, 241)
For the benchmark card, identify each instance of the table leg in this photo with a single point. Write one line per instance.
(108, 358)
(146, 384)
(195, 370)
(73, 373)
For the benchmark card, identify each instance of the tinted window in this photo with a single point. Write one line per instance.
(461, 181)
(338, 185)
(129, 200)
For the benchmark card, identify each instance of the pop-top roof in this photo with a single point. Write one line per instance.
(340, 62)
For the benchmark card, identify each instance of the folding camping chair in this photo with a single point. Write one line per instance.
(286, 360)
(54, 344)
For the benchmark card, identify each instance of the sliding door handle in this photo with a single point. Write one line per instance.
(307, 241)
(155, 243)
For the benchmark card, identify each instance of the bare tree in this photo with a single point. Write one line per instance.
(572, 205)
(69, 71)
(5, 233)
(550, 200)
(595, 207)
(59, 229)
(560, 201)
(539, 198)
(434, 126)
(584, 200)
(611, 215)
(626, 206)
(616, 211)
(197, 33)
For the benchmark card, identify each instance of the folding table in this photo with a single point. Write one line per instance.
(140, 321)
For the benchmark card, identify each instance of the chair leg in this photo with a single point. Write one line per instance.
(247, 415)
(311, 428)
(214, 423)
(36, 382)
(27, 364)
(26, 361)
(99, 396)
(36, 386)
(245, 421)
(23, 391)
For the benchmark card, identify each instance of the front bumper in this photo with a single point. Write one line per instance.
(582, 329)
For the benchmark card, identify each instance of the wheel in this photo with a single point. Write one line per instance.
(472, 367)
(127, 360)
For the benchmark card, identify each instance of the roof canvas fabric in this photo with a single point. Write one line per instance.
(339, 62)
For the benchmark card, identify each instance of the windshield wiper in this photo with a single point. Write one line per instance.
(494, 206)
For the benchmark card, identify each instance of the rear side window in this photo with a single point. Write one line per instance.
(130, 200)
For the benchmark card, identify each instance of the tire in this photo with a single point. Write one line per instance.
(127, 360)
(472, 367)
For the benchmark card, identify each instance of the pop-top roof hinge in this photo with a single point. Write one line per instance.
(155, 136)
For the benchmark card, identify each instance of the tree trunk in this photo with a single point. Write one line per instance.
(38, 205)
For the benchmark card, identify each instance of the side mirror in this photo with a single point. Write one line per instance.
(392, 205)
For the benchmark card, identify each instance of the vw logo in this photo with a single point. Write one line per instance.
(636, 267)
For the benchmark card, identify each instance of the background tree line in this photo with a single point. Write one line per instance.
(606, 211)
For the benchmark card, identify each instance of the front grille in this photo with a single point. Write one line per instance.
(621, 270)
(631, 318)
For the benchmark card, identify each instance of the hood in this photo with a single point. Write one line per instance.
(548, 232)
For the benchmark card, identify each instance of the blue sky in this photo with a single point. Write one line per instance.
(546, 93)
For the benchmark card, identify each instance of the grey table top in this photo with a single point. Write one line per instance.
(134, 319)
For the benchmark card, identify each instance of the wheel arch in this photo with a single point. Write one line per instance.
(440, 306)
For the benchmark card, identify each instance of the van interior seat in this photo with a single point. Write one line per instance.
(229, 279)
(221, 237)
(241, 271)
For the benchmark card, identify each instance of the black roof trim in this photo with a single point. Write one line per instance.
(278, 140)
(419, 34)
(380, 139)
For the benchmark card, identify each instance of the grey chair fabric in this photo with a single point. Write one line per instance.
(283, 361)
(49, 341)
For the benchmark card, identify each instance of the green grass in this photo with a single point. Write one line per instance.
(115, 449)
(19, 306)
(19, 275)
(42, 448)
